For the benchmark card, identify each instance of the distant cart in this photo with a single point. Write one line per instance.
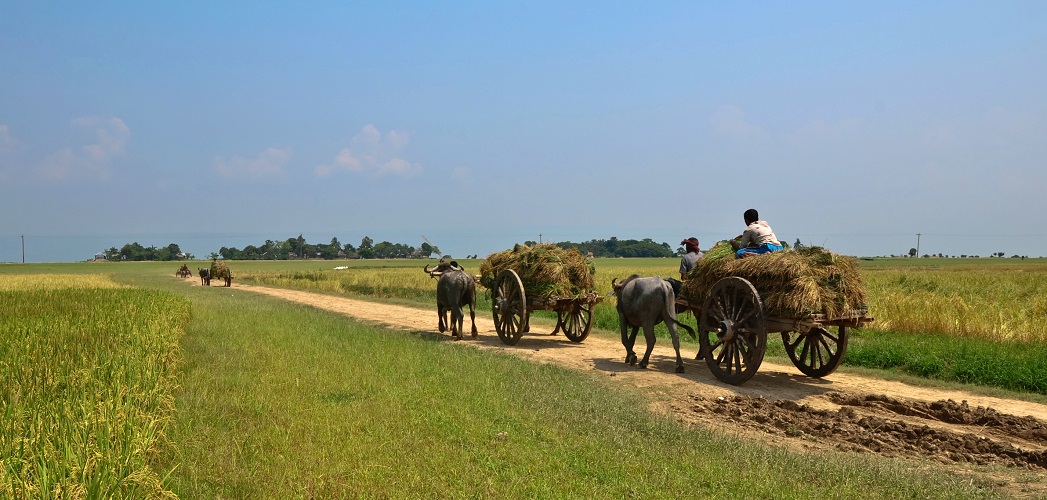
(512, 310)
(733, 328)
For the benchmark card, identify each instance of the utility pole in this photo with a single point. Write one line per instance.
(918, 245)
(539, 238)
(23, 249)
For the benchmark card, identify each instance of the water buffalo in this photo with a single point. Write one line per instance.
(445, 264)
(645, 302)
(205, 276)
(220, 271)
(454, 289)
(184, 272)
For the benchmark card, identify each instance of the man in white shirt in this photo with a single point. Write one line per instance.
(758, 238)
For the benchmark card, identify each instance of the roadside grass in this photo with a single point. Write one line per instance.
(282, 400)
(1016, 366)
(89, 370)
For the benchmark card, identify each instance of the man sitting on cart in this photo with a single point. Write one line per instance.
(687, 262)
(758, 238)
(693, 252)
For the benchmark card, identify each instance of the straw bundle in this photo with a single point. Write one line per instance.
(546, 270)
(791, 283)
(219, 270)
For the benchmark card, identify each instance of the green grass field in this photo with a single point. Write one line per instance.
(214, 393)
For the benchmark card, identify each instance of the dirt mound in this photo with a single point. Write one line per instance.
(890, 426)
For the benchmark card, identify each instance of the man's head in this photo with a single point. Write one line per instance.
(751, 216)
(691, 244)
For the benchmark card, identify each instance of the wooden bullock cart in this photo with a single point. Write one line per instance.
(733, 327)
(512, 309)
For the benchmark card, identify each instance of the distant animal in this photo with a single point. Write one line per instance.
(184, 272)
(645, 302)
(221, 271)
(205, 276)
(454, 289)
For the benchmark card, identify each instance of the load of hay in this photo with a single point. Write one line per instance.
(219, 270)
(791, 283)
(546, 270)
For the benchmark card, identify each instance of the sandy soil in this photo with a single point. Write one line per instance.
(1001, 439)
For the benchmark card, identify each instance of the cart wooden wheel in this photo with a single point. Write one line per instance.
(509, 305)
(818, 352)
(733, 330)
(576, 321)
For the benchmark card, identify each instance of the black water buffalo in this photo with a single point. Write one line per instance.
(645, 302)
(454, 289)
(205, 276)
(445, 264)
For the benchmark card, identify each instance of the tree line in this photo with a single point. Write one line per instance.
(621, 248)
(299, 248)
(136, 252)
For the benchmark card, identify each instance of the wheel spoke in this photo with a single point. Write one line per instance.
(723, 353)
(736, 356)
(823, 350)
(748, 350)
(745, 319)
(825, 345)
(806, 348)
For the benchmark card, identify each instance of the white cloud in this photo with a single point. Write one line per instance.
(729, 121)
(370, 152)
(91, 160)
(7, 143)
(268, 163)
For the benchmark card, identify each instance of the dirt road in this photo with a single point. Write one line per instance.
(780, 405)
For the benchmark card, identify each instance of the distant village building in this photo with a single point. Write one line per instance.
(100, 256)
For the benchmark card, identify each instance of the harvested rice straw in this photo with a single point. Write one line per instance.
(791, 283)
(546, 270)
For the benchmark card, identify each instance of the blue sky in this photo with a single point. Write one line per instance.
(855, 126)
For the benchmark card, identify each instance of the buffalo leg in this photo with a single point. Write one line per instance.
(457, 319)
(629, 341)
(472, 314)
(676, 344)
(648, 333)
(629, 356)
